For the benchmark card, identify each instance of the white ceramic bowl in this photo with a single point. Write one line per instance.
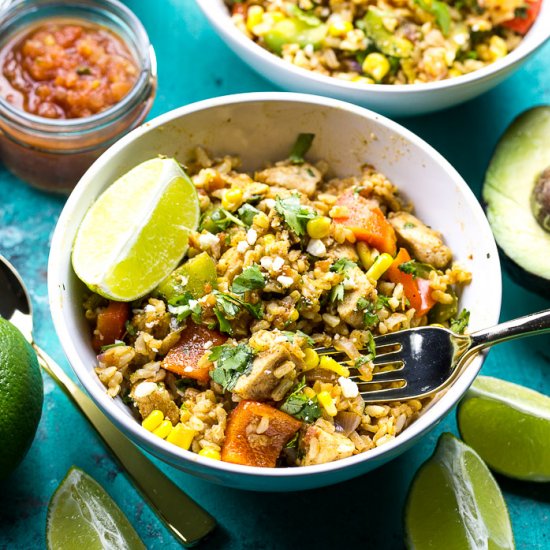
(262, 127)
(391, 100)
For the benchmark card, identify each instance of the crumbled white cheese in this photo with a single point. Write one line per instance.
(278, 263)
(242, 247)
(144, 389)
(251, 237)
(270, 203)
(266, 262)
(285, 281)
(151, 324)
(316, 247)
(149, 307)
(206, 240)
(349, 387)
(208, 345)
(349, 283)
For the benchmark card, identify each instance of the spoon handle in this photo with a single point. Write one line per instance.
(187, 521)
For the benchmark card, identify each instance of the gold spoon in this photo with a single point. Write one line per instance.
(187, 521)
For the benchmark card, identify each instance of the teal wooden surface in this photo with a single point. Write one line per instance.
(194, 64)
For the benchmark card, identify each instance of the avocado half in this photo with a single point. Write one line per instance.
(517, 196)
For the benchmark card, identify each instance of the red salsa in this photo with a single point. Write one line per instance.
(66, 69)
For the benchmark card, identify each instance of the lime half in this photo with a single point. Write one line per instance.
(82, 516)
(137, 231)
(509, 426)
(454, 503)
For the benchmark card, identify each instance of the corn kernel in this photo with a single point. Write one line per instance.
(339, 27)
(311, 359)
(318, 228)
(309, 392)
(453, 73)
(153, 420)
(327, 402)
(210, 453)
(365, 254)
(294, 315)
(232, 199)
(254, 17)
(181, 436)
(164, 429)
(379, 266)
(497, 47)
(363, 80)
(377, 65)
(329, 363)
(269, 240)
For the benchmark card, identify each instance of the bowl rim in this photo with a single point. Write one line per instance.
(58, 261)
(529, 43)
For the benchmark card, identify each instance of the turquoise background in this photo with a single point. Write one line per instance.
(194, 64)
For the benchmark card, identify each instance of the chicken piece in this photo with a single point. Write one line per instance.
(425, 244)
(318, 446)
(303, 177)
(358, 286)
(343, 251)
(159, 398)
(260, 383)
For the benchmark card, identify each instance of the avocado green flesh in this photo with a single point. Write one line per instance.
(521, 155)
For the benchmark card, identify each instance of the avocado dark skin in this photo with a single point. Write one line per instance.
(516, 193)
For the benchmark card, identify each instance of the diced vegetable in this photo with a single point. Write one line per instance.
(443, 312)
(417, 291)
(300, 148)
(294, 31)
(197, 276)
(385, 40)
(525, 18)
(111, 324)
(440, 11)
(367, 222)
(244, 445)
(184, 358)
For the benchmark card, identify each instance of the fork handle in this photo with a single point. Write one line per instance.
(529, 325)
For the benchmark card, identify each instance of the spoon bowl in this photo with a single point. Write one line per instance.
(187, 521)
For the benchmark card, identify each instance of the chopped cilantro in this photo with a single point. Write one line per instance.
(337, 293)
(184, 305)
(342, 265)
(371, 345)
(231, 363)
(416, 269)
(250, 279)
(117, 344)
(521, 12)
(247, 213)
(460, 322)
(300, 406)
(290, 336)
(228, 307)
(130, 329)
(293, 443)
(295, 214)
(218, 219)
(409, 225)
(369, 311)
(83, 71)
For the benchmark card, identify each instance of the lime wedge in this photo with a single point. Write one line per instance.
(81, 515)
(509, 426)
(454, 502)
(137, 231)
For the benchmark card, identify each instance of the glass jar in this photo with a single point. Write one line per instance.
(52, 154)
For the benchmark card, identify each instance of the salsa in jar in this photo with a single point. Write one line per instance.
(64, 69)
